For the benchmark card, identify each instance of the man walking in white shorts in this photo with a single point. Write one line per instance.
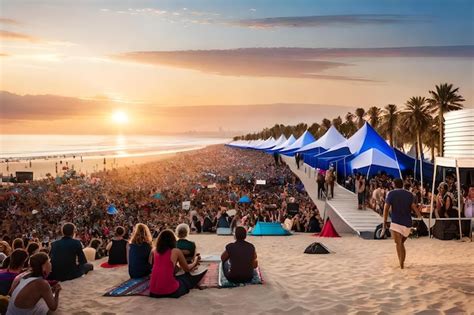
(401, 202)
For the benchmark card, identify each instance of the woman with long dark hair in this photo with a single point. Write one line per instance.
(165, 257)
(28, 291)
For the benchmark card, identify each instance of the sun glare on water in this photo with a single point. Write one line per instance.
(120, 117)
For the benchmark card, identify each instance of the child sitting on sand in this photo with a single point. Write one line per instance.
(117, 248)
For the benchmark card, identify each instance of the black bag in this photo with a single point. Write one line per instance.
(445, 230)
(378, 232)
(421, 228)
(316, 248)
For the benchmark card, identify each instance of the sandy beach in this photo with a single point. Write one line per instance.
(359, 277)
(89, 164)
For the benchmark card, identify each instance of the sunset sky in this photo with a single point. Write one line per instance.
(78, 61)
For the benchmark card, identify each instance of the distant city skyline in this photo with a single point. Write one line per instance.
(74, 63)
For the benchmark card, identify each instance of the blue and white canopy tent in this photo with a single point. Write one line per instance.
(282, 139)
(282, 146)
(275, 143)
(305, 139)
(331, 138)
(373, 161)
(269, 142)
(364, 139)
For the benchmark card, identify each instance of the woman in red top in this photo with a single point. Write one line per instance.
(165, 256)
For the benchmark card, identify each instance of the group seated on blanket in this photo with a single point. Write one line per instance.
(239, 259)
(165, 257)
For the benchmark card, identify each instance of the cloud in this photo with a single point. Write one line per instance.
(307, 63)
(322, 20)
(7, 35)
(34, 113)
(254, 62)
(8, 21)
(41, 107)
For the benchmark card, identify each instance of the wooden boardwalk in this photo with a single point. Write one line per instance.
(342, 209)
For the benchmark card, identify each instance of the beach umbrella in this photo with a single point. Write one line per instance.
(112, 210)
(158, 196)
(245, 199)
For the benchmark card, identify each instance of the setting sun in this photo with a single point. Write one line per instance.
(120, 117)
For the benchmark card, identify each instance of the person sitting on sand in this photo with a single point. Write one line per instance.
(17, 244)
(67, 258)
(208, 225)
(223, 221)
(29, 290)
(165, 257)
(17, 260)
(187, 247)
(91, 251)
(138, 251)
(239, 258)
(117, 248)
(5, 251)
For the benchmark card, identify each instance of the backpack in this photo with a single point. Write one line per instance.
(316, 248)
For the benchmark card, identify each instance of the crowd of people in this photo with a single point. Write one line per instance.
(53, 228)
(372, 193)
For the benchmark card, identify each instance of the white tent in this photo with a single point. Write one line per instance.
(376, 160)
(305, 139)
(331, 138)
(279, 141)
(269, 142)
(285, 144)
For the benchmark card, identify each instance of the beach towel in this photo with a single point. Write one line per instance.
(224, 231)
(106, 264)
(141, 286)
(224, 283)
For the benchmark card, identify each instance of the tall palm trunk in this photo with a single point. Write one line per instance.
(441, 132)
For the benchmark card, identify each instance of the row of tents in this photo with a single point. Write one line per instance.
(365, 152)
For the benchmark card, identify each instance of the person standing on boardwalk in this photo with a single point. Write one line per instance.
(401, 202)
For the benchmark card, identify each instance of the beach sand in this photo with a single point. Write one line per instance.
(359, 277)
(90, 164)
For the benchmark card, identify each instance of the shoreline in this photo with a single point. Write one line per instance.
(86, 164)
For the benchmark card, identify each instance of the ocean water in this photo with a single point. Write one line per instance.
(35, 146)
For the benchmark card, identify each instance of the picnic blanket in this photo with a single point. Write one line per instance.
(106, 264)
(141, 286)
(224, 283)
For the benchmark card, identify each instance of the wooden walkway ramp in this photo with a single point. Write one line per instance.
(342, 209)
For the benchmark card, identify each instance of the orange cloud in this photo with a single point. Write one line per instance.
(7, 35)
(8, 21)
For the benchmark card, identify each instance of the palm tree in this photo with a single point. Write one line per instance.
(360, 113)
(417, 118)
(431, 136)
(443, 100)
(326, 123)
(337, 123)
(390, 116)
(314, 129)
(373, 114)
(348, 128)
